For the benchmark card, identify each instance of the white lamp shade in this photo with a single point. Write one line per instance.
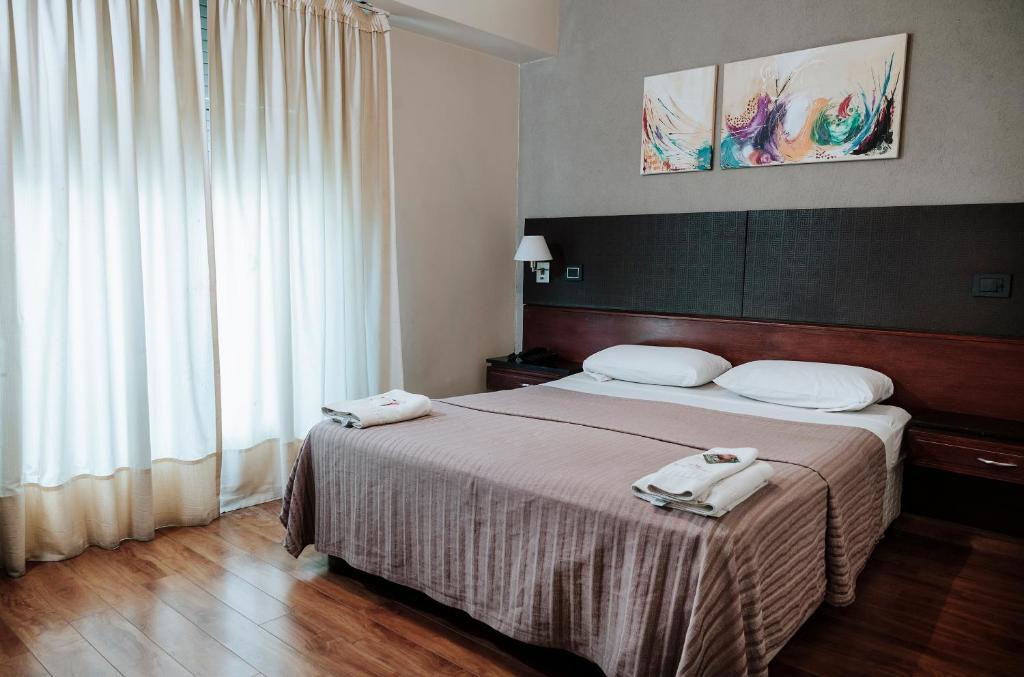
(533, 248)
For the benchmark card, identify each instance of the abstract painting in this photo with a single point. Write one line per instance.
(678, 121)
(841, 102)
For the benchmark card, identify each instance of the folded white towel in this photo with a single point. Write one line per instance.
(390, 407)
(724, 496)
(691, 478)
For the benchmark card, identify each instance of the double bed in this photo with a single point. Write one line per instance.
(516, 507)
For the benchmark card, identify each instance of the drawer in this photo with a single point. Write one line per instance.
(967, 455)
(502, 379)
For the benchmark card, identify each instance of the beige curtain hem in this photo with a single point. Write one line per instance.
(257, 474)
(53, 523)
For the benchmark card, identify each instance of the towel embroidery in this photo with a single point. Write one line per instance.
(721, 458)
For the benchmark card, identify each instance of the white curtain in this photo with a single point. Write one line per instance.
(107, 399)
(304, 224)
(110, 417)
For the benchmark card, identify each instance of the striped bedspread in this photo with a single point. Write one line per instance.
(516, 507)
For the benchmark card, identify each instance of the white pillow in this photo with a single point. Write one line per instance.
(813, 385)
(658, 365)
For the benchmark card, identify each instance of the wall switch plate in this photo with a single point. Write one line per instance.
(996, 285)
(574, 273)
(543, 272)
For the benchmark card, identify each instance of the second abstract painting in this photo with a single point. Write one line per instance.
(841, 102)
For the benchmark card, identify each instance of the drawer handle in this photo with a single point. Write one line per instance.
(1001, 465)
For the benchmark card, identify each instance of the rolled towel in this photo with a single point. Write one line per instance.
(724, 496)
(390, 407)
(691, 478)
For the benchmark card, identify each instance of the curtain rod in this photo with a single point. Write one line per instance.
(365, 4)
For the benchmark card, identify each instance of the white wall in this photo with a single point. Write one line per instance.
(456, 144)
(515, 30)
(530, 22)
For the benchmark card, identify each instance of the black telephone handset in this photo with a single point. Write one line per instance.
(537, 356)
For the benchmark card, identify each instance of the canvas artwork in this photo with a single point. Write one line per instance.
(678, 121)
(841, 102)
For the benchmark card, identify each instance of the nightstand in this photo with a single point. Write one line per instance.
(505, 375)
(968, 445)
(966, 469)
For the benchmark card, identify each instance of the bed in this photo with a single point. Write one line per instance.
(516, 506)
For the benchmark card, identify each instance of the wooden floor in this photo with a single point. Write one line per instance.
(227, 600)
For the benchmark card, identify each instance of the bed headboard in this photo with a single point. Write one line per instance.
(978, 375)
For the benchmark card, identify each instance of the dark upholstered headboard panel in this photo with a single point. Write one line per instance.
(891, 267)
(678, 263)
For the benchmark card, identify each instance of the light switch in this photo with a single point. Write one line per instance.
(996, 285)
(543, 272)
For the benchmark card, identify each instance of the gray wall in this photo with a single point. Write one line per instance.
(963, 121)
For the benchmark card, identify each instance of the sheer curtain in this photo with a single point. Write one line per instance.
(107, 400)
(304, 224)
(112, 402)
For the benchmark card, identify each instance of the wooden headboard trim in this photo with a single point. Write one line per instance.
(978, 375)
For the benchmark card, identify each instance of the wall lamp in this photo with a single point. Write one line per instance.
(534, 248)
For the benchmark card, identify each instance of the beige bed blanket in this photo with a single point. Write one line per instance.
(516, 507)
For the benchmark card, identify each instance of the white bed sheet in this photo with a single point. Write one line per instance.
(885, 421)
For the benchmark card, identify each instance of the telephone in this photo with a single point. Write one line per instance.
(536, 356)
